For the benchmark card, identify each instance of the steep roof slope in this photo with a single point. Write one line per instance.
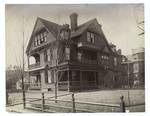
(138, 50)
(52, 27)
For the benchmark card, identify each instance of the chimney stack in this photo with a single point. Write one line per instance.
(119, 50)
(73, 20)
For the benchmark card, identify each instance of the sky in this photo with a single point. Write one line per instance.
(118, 24)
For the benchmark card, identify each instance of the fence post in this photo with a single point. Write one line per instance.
(24, 99)
(73, 103)
(43, 102)
(122, 104)
(7, 97)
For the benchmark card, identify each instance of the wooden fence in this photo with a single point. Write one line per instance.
(73, 107)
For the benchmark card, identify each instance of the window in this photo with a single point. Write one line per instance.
(40, 38)
(136, 67)
(45, 56)
(49, 77)
(46, 76)
(45, 36)
(36, 41)
(51, 54)
(79, 56)
(67, 54)
(90, 37)
(123, 59)
(115, 61)
(105, 61)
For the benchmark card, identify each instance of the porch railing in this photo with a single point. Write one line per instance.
(35, 84)
(89, 61)
(33, 66)
(71, 83)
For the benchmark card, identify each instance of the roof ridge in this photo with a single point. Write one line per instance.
(86, 22)
(48, 21)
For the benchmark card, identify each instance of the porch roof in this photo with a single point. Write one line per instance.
(36, 69)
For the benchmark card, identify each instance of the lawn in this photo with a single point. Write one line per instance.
(109, 96)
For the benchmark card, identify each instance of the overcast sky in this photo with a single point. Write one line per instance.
(117, 20)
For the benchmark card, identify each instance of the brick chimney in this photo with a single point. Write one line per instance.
(73, 21)
(119, 50)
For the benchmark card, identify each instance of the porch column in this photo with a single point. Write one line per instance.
(95, 76)
(28, 61)
(68, 81)
(81, 78)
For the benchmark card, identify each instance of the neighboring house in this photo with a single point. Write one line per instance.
(81, 56)
(136, 63)
(138, 56)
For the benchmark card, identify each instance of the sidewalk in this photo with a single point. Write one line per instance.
(19, 109)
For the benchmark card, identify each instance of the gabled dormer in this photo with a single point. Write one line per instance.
(44, 32)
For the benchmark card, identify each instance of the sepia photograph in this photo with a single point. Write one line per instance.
(75, 58)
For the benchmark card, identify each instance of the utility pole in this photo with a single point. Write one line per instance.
(56, 70)
(128, 76)
(23, 92)
(128, 82)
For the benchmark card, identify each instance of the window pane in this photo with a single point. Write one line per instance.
(45, 39)
(115, 61)
(92, 37)
(38, 37)
(49, 77)
(45, 55)
(88, 34)
(35, 38)
(39, 41)
(44, 34)
(88, 37)
(46, 77)
(79, 55)
(51, 54)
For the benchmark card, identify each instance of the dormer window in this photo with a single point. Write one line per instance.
(40, 38)
(90, 37)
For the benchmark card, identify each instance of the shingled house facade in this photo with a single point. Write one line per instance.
(77, 58)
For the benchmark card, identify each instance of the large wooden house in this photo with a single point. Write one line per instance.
(76, 57)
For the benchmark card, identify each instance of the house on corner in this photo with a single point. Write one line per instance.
(76, 58)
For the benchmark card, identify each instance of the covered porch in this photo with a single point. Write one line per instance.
(34, 80)
(76, 80)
